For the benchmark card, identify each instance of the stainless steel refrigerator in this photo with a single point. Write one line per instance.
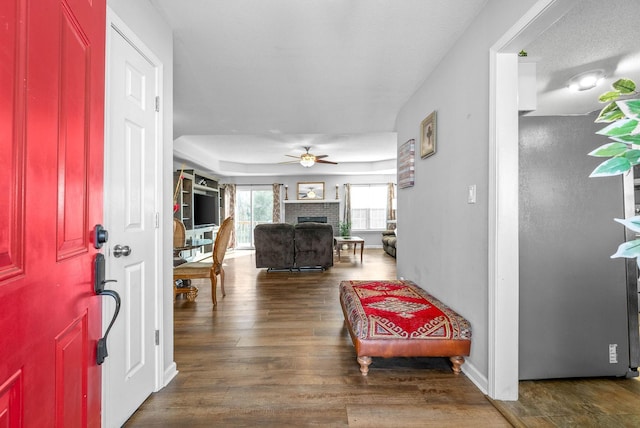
(578, 306)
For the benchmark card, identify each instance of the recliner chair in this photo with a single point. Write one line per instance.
(314, 245)
(274, 245)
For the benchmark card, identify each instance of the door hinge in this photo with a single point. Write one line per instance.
(157, 103)
(157, 337)
(157, 220)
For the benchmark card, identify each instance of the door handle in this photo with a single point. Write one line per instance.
(98, 285)
(121, 250)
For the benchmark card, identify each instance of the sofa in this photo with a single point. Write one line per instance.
(389, 238)
(285, 246)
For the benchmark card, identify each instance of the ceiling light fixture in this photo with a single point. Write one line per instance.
(587, 80)
(307, 160)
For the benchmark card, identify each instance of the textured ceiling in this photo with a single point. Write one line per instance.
(304, 66)
(593, 35)
(282, 72)
(255, 80)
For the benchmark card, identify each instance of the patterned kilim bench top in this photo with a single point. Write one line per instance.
(398, 318)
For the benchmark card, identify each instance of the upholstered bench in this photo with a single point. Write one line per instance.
(399, 319)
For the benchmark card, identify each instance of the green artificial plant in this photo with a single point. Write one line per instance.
(622, 113)
(345, 229)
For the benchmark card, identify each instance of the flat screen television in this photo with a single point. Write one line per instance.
(205, 210)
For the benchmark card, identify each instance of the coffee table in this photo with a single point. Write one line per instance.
(355, 240)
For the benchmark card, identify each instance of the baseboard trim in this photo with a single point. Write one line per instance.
(169, 374)
(478, 379)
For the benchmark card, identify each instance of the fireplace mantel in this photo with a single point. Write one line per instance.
(312, 201)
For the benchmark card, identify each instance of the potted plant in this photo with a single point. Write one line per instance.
(622, 113)
(345, 229)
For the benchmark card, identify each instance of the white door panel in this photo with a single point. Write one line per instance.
(135, 327)
(130, 212)
(133, 176)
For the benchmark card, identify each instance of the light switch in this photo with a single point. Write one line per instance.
(471, 196)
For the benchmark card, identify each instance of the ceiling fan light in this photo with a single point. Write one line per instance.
(307, 160)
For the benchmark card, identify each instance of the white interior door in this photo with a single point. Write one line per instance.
(131, 219)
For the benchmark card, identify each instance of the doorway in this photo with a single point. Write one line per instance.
(503, 198)
(504, 281)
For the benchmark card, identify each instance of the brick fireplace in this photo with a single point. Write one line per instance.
(317, 219)
(328, 209)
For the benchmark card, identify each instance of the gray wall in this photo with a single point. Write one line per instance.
(155, 33)
(572, 294)
(443, 241)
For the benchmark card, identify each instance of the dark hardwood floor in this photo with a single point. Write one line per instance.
(275, 353)
(597, 402)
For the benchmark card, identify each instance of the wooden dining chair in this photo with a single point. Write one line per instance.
(179, 240)
(219, 251)
(211, 270)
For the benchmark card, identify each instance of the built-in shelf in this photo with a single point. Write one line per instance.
(186, 181)
(312, 201)
(205, 188)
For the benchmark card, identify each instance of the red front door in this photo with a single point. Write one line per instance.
(51, 157)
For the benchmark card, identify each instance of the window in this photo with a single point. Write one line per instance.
(254, 205)
(368, 206)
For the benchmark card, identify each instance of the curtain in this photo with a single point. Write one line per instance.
(346, 218)
(277, 203)
(230, 209)
(391, 209)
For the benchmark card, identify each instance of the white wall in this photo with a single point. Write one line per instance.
(443, 240)
(156, 34)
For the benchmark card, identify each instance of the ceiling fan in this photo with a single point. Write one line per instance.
(307, 159)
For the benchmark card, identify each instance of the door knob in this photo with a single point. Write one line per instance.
(121, 250)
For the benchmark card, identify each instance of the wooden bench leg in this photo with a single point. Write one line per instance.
(364, 365)
(457, 363)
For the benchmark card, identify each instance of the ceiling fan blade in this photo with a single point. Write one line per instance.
(291, 156)
(325, 161)
(289, 162)
(321, 156)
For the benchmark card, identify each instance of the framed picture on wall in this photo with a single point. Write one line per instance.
(428, 136)
(406, 164)
(311, 190)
